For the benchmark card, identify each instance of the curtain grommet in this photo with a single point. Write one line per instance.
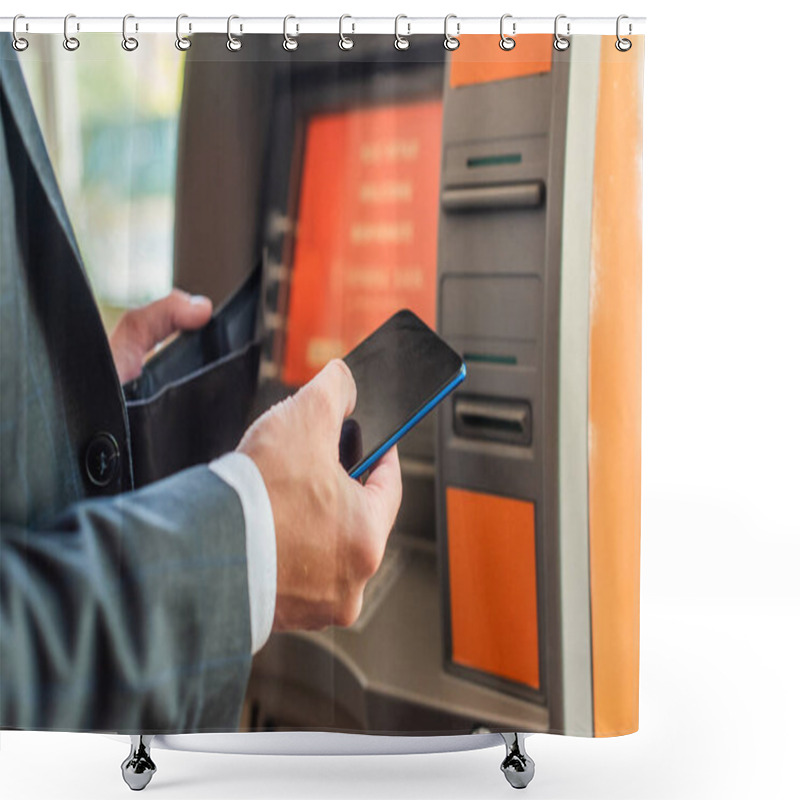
(560, 43)
(623, 45)
(70, 43)
(290, 42)
(181, 42)
(345, 42)
(507, 42)
(19, 43)
(129, 43)
(234, 43)
(451, 42)
(401, 42)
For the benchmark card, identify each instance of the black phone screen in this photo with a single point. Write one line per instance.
(402, 371)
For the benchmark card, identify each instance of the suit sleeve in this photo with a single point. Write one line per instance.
(129, 613)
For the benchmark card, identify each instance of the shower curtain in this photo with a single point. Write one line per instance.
(180, 550)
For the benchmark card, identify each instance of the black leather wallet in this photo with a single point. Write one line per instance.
(196, 396)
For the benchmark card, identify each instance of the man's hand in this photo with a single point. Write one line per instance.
(330, 529)
(141, 329)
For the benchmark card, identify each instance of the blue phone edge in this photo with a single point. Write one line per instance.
(459, 378)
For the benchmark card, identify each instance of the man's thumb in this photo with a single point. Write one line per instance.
(178, 311)
(187, 312)
(335, 382)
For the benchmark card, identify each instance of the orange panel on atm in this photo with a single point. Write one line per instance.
(366, 229)
(491, 544)
(479, 58)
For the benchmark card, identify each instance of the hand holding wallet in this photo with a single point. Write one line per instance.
(195, 396)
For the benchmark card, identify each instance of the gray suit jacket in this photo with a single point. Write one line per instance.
(120, 610)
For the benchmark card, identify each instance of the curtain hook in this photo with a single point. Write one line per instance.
(401, 42)
(559, 42)
(181, 42)
(129, 43)
(451, 42)
(233, 44)
(290, 43)
(345, 42)
(623, 45)
(507, 42)
(71, 43)
(19, 43)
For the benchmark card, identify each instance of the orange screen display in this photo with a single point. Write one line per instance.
(366, 229)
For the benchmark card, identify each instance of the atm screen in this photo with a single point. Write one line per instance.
(366, 229)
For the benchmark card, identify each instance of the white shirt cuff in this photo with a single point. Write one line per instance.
(241, 474)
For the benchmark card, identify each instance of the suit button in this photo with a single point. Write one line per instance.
(102, 459)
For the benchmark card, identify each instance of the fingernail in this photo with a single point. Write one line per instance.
(198, 299)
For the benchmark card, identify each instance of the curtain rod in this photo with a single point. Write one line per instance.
(298, 25)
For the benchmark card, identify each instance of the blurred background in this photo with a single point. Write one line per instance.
(111, 124)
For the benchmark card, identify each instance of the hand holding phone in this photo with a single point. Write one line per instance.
(402, 371)
(330, 531)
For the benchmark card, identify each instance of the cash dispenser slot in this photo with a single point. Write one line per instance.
(486, 198)
(495, 174)
(492, 419)
(495, 161)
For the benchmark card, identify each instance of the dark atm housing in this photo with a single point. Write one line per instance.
(479, 477)
(498, 291)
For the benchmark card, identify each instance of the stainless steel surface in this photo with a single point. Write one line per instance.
(138, 768)
(517, 766)
(572, 379)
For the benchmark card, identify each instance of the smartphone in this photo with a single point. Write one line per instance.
(402, 371)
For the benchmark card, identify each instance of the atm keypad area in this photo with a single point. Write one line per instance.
(459, 628)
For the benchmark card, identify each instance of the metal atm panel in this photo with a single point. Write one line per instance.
(499, 259)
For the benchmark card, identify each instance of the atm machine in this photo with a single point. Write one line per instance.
(462, 627)
(498, 302)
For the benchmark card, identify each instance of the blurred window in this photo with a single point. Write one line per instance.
(110, 121)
